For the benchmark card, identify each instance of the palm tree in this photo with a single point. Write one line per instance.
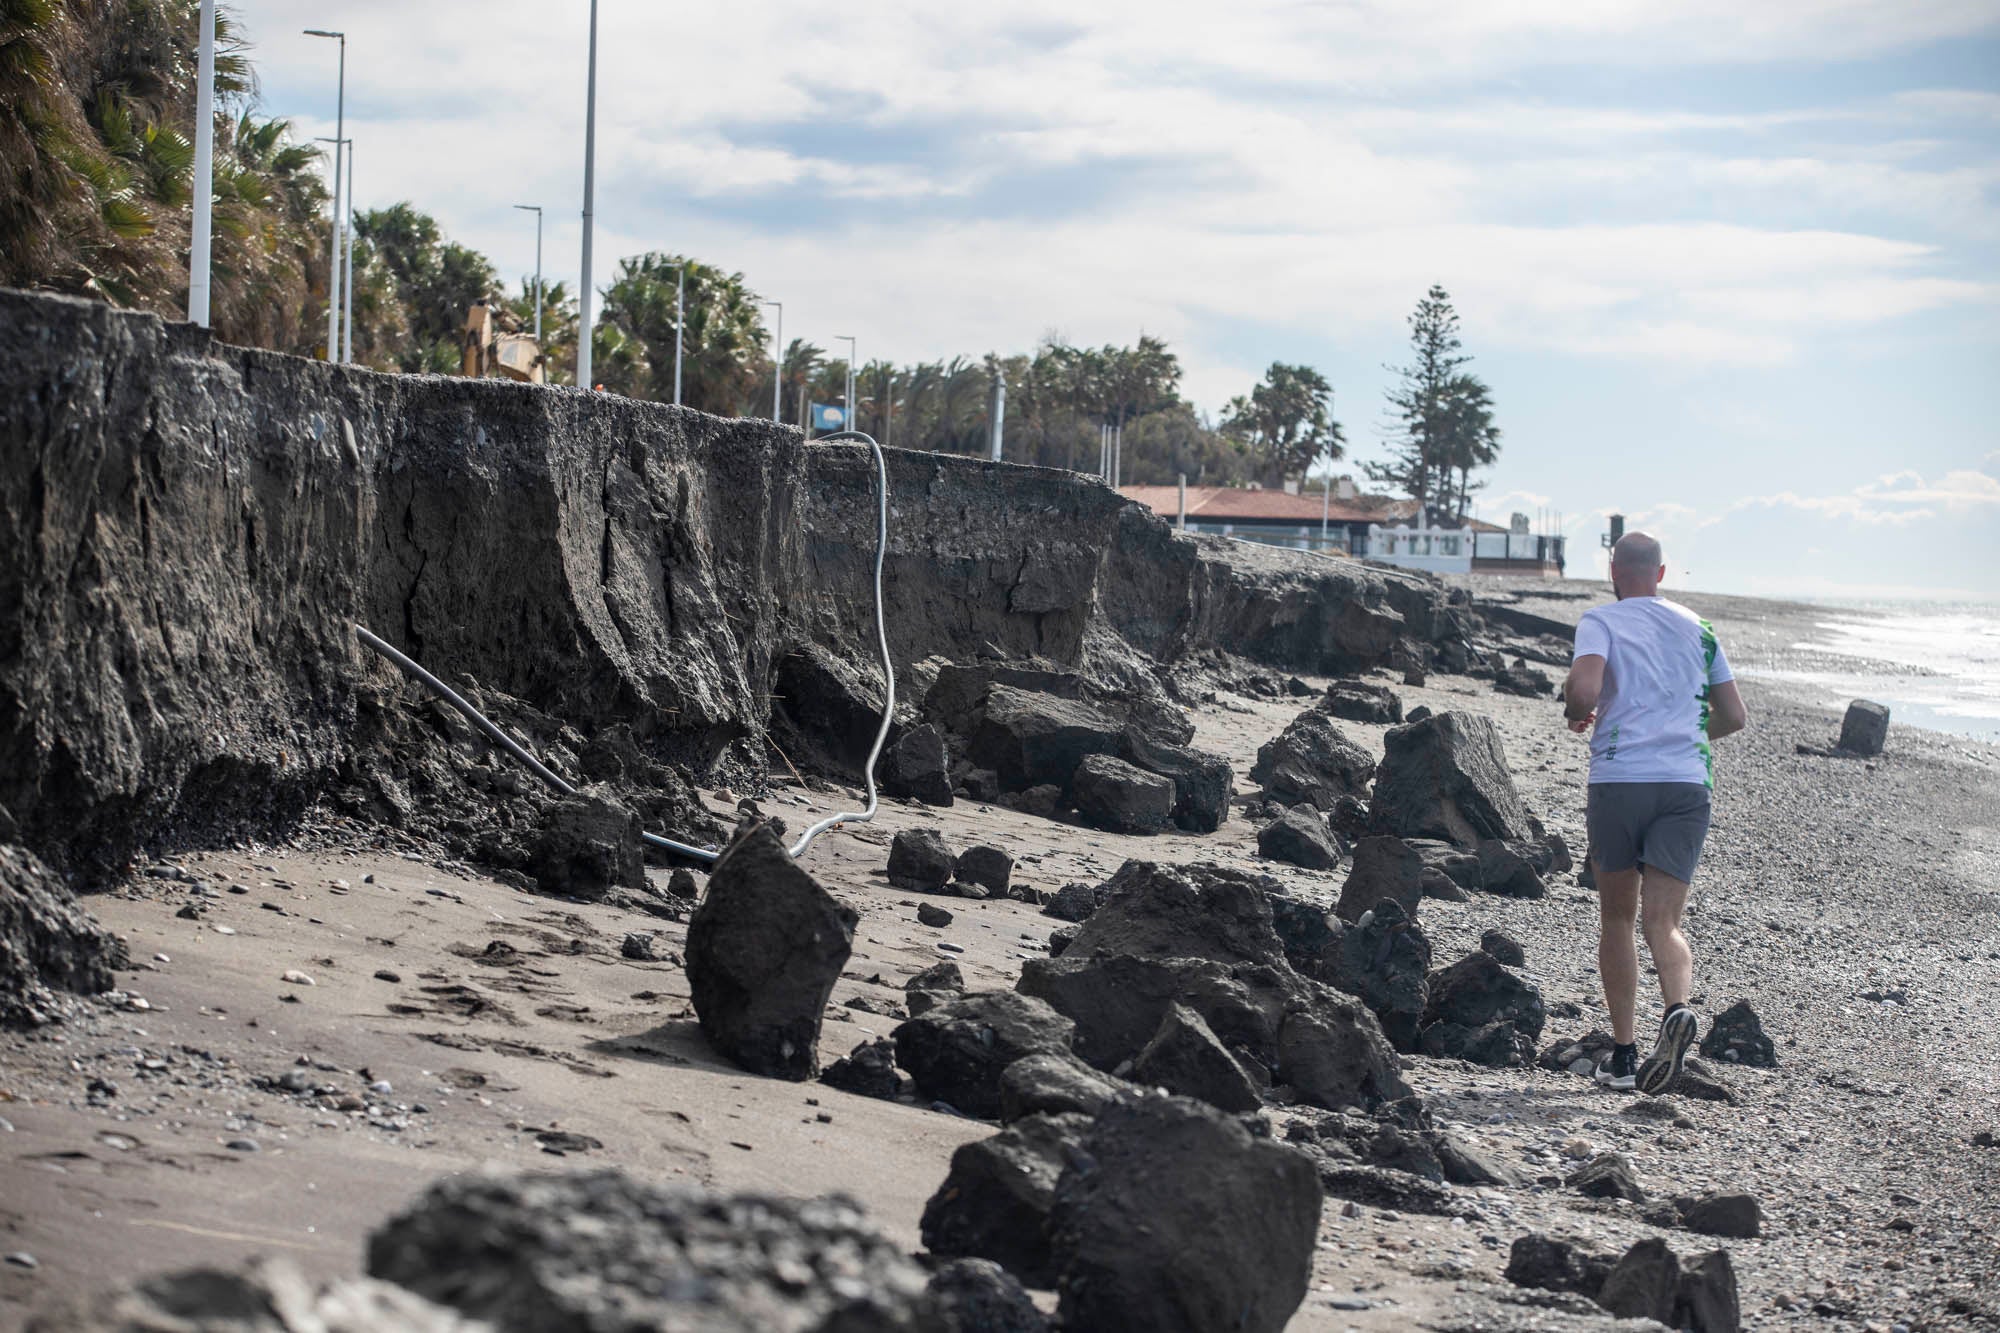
(270, 237)
(723, 343)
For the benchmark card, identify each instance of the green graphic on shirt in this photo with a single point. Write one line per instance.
(1709, 648)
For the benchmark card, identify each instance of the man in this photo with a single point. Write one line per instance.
(1652, 678)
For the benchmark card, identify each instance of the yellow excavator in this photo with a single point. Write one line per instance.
(493, 344)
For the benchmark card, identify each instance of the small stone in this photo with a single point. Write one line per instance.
(640, 947)
(381, 1087)
(1577, 1149)
(222, 930)
(294, 977)
(384, 974)
(22, 1259)
(243, 1145)
(930, 914)
(161, 958)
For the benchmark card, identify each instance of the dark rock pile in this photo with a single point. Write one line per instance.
(1649, 1281)
(48, 944)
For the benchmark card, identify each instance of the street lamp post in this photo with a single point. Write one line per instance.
(339, 138)
(342, 254)
(536, 209)
(589, 196)
(204, 171)
(777, 362)
(680, 312)
(347, 274)
(847, 403)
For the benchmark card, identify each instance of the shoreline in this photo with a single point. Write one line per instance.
(1770, 640)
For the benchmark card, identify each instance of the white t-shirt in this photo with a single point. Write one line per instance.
(1660, 659)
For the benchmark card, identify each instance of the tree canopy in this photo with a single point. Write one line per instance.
(1441, 418)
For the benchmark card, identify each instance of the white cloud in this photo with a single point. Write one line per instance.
(982, 175)
(1894, 499)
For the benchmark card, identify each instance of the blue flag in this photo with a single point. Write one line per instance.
(829, 417)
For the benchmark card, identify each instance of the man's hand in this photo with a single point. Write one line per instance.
(1582, 690)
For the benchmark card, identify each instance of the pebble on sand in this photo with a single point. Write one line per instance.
(294, 977)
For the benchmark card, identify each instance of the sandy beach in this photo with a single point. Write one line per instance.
(457, 1023)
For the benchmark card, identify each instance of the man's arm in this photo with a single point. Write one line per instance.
(1726, 714)
(1582, 690)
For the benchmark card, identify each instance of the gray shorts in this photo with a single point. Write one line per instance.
(1659, 824)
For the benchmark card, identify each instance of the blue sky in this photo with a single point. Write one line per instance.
(1730, 269)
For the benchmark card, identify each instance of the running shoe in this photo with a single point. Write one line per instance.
(1663, 1066)
(1618, 1071)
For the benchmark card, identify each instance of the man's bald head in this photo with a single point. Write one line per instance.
(1637, 564)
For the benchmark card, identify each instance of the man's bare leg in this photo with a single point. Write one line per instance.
(1617, 950)
(1664, 899)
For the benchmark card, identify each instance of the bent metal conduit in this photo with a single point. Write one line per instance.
(411, 668)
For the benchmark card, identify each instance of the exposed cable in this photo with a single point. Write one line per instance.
(493, 731)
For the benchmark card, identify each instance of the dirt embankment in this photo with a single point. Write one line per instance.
(189, 532)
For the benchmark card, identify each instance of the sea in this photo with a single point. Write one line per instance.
(1934, 664)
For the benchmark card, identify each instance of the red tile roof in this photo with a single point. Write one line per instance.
(1249, 504)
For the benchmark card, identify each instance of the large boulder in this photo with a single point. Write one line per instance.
(1185, 1057)
(1447, 777)
(994, 1202)
(1385, 869)
(869, 1070)
(1150, 910)
(1359, 701)
(1523, 680)
(1299, 837)
(1311, 761)
(1050, 1084)
(979, 1296)
(1331, 1053)
(957, 1051)
(825, 710)
(918, 767)
(1030, 738)
(1203, 782)
(47, 943)
(1509, 869)
(1385, 962)
(1306, 930)
(1112, 795)
(764, 950)
(1483, 1011)
(1550, 1264)
(919, 862)
(988, 867)
(598, 1252)
(588, 845)
(1737, 1035)
(1176, 1219)
(1865, 728)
